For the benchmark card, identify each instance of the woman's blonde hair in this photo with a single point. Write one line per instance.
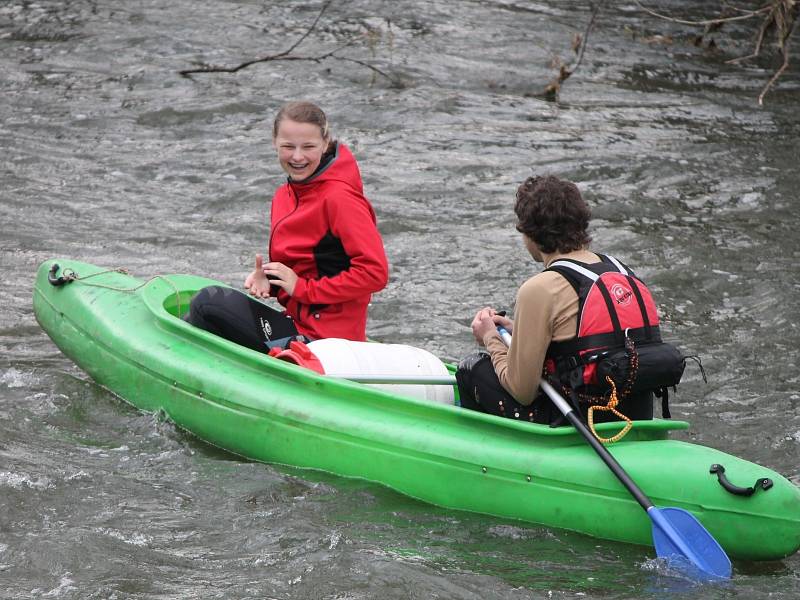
(302, 112)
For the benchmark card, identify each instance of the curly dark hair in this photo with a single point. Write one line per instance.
(552, 213)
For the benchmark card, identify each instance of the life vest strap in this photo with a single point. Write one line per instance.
(577, 351)
(640, 301)
(612, 313)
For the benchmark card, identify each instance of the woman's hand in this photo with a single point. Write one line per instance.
(281, 275)
(257, 282)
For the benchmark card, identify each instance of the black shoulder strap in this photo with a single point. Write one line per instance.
(633, 281)
(588, 275)
(583, 275)
(569, 270)
(588, 271)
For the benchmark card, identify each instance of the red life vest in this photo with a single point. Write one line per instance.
(613, 304)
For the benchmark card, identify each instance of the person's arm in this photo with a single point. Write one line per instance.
(352, 221)
(519, 367)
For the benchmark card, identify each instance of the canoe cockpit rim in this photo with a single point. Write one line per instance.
(165, 294)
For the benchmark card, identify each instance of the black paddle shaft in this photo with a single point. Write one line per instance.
(569, 414)
(612, 463)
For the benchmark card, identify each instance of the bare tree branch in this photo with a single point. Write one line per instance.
(312, 28)
(372, 68)
(759, 42)
(782, 14)
(279, 56)
(554, 87)
(783, 67)
(287, 55)
(707, 22)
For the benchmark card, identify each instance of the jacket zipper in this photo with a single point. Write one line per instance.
(294, 195)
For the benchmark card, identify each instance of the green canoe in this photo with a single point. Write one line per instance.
(125, 332)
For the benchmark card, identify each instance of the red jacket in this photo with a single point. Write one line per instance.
(324, 229)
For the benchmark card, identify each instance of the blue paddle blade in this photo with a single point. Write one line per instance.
(680, 538)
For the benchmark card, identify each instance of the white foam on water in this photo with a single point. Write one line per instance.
(77, 476)
(20, 480)
(137, 539)
(14, 378)
(65, 585)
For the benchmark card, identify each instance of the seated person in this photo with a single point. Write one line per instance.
(548, 336)
(326, 256)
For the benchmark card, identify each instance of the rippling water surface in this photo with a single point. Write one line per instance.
(110, 157)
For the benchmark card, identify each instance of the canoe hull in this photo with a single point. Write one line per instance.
(125, 333)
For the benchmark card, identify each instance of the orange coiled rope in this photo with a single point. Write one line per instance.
(610, 407)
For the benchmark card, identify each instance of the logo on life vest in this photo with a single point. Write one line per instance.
(266, 328)
(622, 295)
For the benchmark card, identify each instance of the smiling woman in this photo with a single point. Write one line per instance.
(301, 137)
(326, 254)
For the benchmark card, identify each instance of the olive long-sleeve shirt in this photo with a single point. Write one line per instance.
(546, 310)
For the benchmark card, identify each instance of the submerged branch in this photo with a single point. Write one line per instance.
(758, 45)
(579, 47)
(782, 15)
(783, 67)
(707, 22)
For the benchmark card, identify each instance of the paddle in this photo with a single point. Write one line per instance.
(678, 536)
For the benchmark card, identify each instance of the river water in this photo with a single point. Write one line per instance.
(109, 156)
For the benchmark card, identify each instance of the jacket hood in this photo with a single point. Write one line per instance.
(341, 167)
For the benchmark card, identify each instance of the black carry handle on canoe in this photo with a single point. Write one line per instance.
(678, 536)
(763, 483)
(56, 281)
